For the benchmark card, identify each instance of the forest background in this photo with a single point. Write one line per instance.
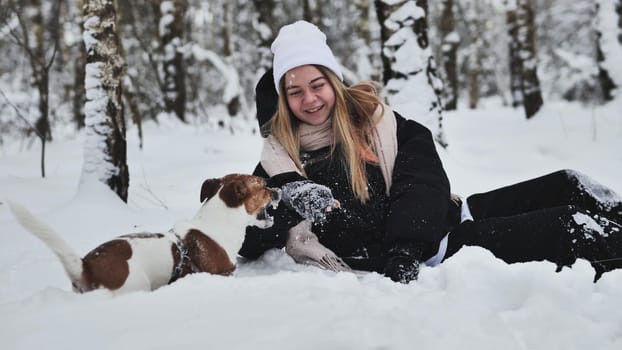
(189, 59)
(85, 84)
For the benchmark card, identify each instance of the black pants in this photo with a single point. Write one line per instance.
(559, 217)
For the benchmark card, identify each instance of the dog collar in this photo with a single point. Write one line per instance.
(178, 271)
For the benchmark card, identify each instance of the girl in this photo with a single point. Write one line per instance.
(393, 207)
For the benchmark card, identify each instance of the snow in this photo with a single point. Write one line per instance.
(588, 223)
(452, 38)
(89, 31)
(167, 9)
(604, 195)
(312, 201)
(405, 15)
(472, 301)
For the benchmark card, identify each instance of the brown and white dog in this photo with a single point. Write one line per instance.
(209, 242)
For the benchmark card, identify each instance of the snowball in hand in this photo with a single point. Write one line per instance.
(312, 201)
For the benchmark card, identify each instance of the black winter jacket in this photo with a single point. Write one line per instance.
(414, 214)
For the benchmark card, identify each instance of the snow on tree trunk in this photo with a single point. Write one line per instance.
(409, 72)
(609, 47)
(451, 39)
(532, 96)
(171, 29)
(105, 144)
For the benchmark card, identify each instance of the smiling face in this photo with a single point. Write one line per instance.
(309, 94)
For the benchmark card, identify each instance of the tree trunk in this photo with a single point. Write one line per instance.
(474, 71)
(607, 84)
(514, 59)
(78, 88)
(368, 63)
(135, 115)
(233, 104)
(35, 34)
(409, 73)
(227, 48)
(312, 12)
(451, 39)
(266, 29)
(362, 24)
(105, 153)
(307, 14)
(171, 28)
(532, 96)
(40, 66)
(475, 53)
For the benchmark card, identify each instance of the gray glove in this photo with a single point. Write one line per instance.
(312, 201)
(305, 248)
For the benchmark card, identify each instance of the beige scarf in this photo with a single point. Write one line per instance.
(275, 160)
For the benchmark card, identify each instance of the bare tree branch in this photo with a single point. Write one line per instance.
(19, 113)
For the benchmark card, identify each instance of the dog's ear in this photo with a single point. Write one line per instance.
(210, 188)
(234, 193)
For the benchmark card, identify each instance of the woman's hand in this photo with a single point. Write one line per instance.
(403, 263)
(403, 269)
(305, 248)
(312, 201)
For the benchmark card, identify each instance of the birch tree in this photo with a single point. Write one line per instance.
(409, 72)
(105, 144)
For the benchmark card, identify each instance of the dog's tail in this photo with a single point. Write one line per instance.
(70, 260)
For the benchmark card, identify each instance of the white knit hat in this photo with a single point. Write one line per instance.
(298, 44)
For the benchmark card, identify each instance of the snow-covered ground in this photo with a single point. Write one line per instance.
(472, 301)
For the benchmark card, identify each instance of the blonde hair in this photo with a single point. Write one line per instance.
(352, 125)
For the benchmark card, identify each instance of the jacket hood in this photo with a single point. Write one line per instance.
(266, 101)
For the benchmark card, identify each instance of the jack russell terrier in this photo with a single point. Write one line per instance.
(209, 242)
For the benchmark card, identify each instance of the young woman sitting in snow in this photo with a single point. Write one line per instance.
(393, 208)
